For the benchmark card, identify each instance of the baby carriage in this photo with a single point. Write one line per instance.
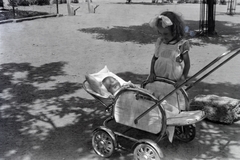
(140, 117)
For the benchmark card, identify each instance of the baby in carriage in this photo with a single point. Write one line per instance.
(106, 84)
(129, 105)
(109, 86)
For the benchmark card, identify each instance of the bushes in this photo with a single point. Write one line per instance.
(23, 3)
(28, 2)
(59, 1)
(35, 2)
(9, 14)
(42, 2)
(188, 1)
(74, 1)
(223, 2)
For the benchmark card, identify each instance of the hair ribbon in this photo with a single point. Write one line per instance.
(166, 22)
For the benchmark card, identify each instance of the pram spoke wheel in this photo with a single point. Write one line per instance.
(145, 151)
(185, 133)
(102, 143)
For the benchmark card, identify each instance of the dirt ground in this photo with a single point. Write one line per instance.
(46, 115)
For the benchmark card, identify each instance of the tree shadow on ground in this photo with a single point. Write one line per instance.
(220, 89)
(212, 141)
(138, 34)
(227, 34)
(46, 121)
(37, 119)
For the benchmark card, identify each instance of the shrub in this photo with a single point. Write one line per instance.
(23, 3)
(74, 1)
(59, 1)
(13, 3)
(223, 2)
(42, 2)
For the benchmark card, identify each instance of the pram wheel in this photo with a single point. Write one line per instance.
(185, 133)
(103, 143)
(147, 150)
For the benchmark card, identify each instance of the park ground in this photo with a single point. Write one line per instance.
(46, 115)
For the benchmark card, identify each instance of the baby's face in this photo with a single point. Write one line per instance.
(112, 85)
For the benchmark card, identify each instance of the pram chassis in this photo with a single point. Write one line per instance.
(150, 144)
(105, 141)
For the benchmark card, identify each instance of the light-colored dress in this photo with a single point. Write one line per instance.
(169, 64)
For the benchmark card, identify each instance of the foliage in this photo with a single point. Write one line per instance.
(20, 14)
(23, 3)
(42, 2)
(59, 1)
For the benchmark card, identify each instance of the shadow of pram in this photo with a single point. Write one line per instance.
(213, 141)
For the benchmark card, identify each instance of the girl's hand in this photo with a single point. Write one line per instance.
(111, 96)
(129, 84)
(179, 81)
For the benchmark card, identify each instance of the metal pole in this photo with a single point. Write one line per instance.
(237, 51)
(231, 7)
(211, 23)
(13, 3)
(57, 5)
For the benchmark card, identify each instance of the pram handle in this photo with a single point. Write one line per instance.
(162, 79)
(235, 52)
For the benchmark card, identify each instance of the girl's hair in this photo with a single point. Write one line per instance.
(178, 26)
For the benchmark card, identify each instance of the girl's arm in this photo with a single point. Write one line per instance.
(186, 69)
(152, 75)
(186, 60)
(152, 64)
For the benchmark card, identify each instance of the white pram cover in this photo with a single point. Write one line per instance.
(128, 108)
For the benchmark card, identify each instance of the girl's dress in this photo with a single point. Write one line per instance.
(169, 65)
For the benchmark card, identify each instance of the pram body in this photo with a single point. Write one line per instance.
(125, 108)
(138, 110)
